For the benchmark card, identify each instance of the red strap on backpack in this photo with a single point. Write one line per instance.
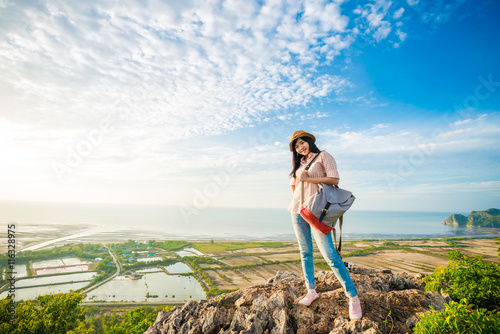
(314, 221)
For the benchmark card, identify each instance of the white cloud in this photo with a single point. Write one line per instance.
(398, 13)
(453, 188)
(468, 120)
(480, 133)
(376, 18)
(182, 69)
(380, 126)
(402, 164)
(383, 31)
(401, 35)
(375, 15)
(177, 69)
(163, 72)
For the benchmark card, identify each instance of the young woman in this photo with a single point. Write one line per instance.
(323, 170)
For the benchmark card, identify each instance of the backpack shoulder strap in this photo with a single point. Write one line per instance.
(309, 164)
(339, 247)
(302, 182)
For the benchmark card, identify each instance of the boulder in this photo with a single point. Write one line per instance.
(390, 302)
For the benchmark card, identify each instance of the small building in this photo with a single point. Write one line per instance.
(98, 258)
(151, 253)
(132, 275)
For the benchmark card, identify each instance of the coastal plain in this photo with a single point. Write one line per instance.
(231, 265)
(250, 266)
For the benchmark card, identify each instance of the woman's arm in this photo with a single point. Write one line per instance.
(333, 181)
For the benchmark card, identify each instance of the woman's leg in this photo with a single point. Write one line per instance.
(327, 249)
(303, 234)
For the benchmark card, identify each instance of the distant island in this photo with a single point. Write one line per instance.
(486, 218)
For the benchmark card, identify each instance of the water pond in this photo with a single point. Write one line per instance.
(166, 287)
(192, 250)
(32, 293)
(178, 268)
(183, 253)
(20, 270)
(148, 270)
(58, 262)
(86, 276)
(149, 259)
(62, 270)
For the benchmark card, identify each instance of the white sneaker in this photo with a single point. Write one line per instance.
(309, 298)
(355, 308)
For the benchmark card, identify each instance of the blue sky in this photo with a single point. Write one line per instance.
(192, 103)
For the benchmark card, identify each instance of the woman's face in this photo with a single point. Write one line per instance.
(302, 147)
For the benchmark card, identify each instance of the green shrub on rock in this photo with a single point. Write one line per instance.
(472, 279)
(474, 286)
(458, 318)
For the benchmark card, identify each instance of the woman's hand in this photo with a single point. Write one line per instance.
(304, 176)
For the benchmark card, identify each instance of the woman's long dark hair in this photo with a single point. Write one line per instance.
(296, 156)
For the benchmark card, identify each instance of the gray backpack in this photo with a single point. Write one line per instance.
(323, 209)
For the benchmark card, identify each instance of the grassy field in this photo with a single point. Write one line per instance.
(232, 265)
(249, 263)
(217, 247)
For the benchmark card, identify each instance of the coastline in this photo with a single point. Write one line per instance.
(73, 223)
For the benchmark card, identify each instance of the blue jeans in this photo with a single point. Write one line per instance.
(304, 233)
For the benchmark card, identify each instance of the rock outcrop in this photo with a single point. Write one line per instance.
(390, 302)
(456, 220)
(486, 218)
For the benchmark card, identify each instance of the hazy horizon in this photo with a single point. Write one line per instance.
(216, 207)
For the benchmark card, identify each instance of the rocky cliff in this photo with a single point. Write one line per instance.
(390, 302)
(455, 220)
(486, 218)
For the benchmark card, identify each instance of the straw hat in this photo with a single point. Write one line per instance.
(298, 134)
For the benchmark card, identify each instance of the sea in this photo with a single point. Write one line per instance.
(60, 223)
